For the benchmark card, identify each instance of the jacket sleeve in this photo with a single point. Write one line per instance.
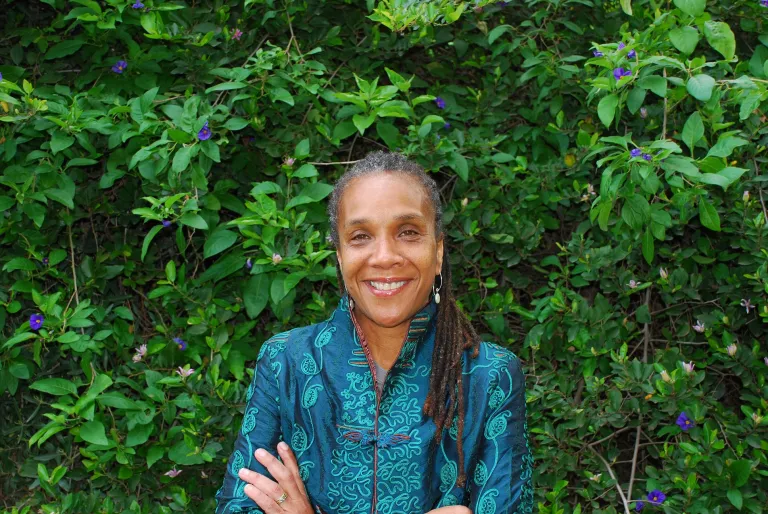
(260, 429)
(502, 480)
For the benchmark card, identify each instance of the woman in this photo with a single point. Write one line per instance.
(412, 443)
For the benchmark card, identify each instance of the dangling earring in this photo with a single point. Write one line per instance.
(436, 292)
(351, 303)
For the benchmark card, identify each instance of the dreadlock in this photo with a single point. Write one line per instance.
(454, 332)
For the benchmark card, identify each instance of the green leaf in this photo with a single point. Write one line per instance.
(740, 471)
(170, 271)
(721, 38)
(63, 49)
(311, 193)
(60, 141)
(211, 150)
(193, 220)
(282, 95)
(94, 433)
(6, 203)
(723, 178)
(218, 241)
(139, 435)
(236, 124)
(61, 196)
(54, 386)
(636, 211)
(226, 86)
(626, 6)
(648, 246)
(302, 149)
(685, 39)
(19, 263)
(363, 122)
(154, 454)
(148, 239)
(691, 7)
(606, 109)
(693, 130)
(700, 87)
(655, 83)
(725, 145)
(635, 99)
(708, 215)
(461, 166)
(306, 171)
(256, 294)
(181, 159)
(497, 32)
(734, 496)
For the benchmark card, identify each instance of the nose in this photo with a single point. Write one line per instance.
(385, 253)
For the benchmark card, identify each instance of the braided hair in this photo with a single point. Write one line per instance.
(454, 332)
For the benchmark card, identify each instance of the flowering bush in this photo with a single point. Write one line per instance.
(164, 168)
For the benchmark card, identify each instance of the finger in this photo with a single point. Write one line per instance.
(262, 499)
(290, 462)
(280, 473)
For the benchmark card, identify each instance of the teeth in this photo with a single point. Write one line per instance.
(387, 286)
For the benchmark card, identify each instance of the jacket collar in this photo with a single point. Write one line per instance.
(418, 330)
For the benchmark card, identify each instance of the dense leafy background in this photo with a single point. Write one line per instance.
(594, 265)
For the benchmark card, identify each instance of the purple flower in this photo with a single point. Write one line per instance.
(699, 327)
(745, 195)
(120, 67)
(276, 258)
(173, 473)
(764, 3)
(182, 344)
(685, 423)
(248, 263)
(731, 349)
(663, 273)
(205, 133)
(635, 152)
(184, 373)
(167, 223)
(631, 54)
(632, 284)
(747, 304)
(447, 126)
(688, 366)
(656, 497)
(639, 506)
(45, 261)
(141, 351)
(138, 5)
(237, 34)
(765, 360)
(440, 103)
(647, 156)
(1, 77)
(621, 72)
(597, 53)
(643, 112)
(621, 46)
(289, 161)
(36, 321)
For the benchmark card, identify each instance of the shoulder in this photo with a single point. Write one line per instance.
(296, 341)
(493, 362)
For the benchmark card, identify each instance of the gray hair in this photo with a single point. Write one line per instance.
(384, 162)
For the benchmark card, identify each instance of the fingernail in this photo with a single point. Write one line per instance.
(282, 445)
(261, 452)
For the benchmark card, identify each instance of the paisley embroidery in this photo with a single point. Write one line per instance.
(481, 473)
(298, 439)
(237, 462)
(325, 337)
(249, 420)
(309, 398)
(497, 425)
(487, 504)
(447, 476)
(308, 365)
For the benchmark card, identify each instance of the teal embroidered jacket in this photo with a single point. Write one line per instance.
(361, 452)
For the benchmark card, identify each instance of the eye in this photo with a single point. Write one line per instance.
(409, 232)
(359, 237)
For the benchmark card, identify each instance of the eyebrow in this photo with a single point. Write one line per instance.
(399, 217)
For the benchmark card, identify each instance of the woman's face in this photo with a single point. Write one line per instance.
(388, 249)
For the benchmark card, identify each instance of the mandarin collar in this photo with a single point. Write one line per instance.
(419, 322)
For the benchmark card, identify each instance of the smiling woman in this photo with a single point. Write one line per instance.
(393, 404)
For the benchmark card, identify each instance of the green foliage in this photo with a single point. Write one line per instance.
(163, 179)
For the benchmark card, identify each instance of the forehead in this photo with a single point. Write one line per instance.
(384, 196)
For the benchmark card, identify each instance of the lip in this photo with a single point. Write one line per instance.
(386, 294)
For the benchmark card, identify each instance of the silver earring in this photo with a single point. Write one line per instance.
(351, 303)
(436, 292)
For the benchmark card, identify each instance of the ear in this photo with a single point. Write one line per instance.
(338, 258)
(440, 251)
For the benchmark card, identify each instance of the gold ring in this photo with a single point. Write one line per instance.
(282, 498)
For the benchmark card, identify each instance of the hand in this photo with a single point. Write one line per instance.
(266, 492)
(453, 509)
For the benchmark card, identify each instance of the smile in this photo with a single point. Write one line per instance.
(385, 289)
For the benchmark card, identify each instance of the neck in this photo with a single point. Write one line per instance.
(385, 343)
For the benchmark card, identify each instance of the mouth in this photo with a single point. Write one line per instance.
(387, 287)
